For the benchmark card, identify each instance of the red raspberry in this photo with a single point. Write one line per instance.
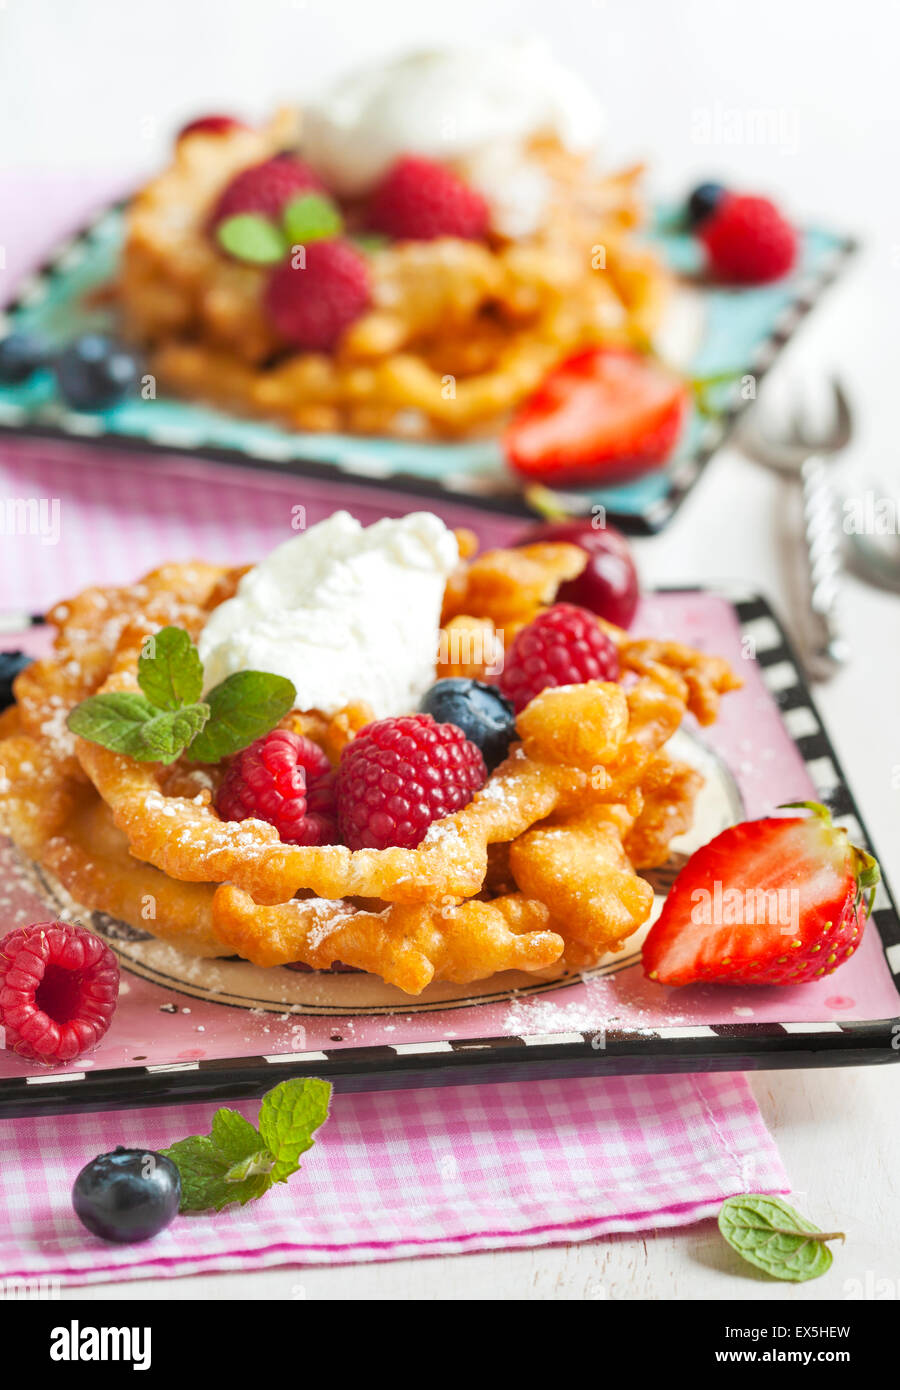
(286, 780)
(562, 646)
(211, 125)
(58, 990)
(310, 305)
(748, 240)
(418, 200)
(265, 188)
(399, 775)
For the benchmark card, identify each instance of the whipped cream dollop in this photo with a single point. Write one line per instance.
(344, 611)
(455, 104)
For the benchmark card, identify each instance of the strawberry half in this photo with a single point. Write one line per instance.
(606, 415)
(768, 902)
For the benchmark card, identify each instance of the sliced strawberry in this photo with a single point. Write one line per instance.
(768, 902)
(605, 415)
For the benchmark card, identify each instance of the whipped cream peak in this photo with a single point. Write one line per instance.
(447, 105)
(344, 611)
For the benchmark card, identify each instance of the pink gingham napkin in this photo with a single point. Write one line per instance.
(403, 1173)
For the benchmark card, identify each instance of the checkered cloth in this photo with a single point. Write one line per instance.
(404, 1173)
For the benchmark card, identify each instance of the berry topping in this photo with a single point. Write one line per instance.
(747, 240)
(399, 775)
(311, 303)
(286, 780)
(484, 715)
(608, 585)
(606, 415)
(127, 1195)
(778, 901)
(58, 989)
(20, 356)
(95, 372)
(561, 646)
(211, 125)
(265, 188)
(11, 663)
(703, 202)
(418, 200)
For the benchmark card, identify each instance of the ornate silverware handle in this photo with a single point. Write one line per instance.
(828, 648)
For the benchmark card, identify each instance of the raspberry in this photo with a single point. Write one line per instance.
(311, 304)
(748, 240)
(562, 646)
(399, 775)
(286, 780)
(418, 200)
(265, 188)
(58, 990)
(211, 125)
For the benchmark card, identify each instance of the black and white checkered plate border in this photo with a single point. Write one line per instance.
(279, 454)
(694, 1047)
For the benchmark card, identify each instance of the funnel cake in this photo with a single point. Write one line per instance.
(456, 333)
(539, 869)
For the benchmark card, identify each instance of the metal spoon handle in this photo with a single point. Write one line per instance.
(828, 648)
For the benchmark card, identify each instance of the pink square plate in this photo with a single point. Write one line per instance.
(190, 1029)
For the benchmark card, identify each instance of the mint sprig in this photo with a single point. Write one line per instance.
(236, 1162)
(170, 672)
(250, 237)
(126, 722)
(770, 1234)
(242, 708)
(169, 717)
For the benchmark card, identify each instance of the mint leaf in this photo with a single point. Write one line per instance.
(169, 669)
(242, 708)
(770, 1234)
(237, 1163)
(126, 722)
(234, 1136)
(204, 1172)
(249, 237)
(311, 217)
(288, 1118)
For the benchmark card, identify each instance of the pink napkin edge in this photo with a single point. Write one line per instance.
(299, 1254)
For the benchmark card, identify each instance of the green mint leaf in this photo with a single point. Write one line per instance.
(237, 1163)
(234, 1136)
(242, 708)
(204, 1172)
(169, 670)
(771, 1235)
(288, 1118)
(126, 722)
(249, 237)
(370, 241)
(255, 1165)
(311, 217)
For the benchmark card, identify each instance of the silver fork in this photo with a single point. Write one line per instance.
(801, 451)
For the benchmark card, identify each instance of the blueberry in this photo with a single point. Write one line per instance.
(703, 202)
(128, 1195)
(20, 356)
(484, 715)
(95, 372)
(11, 663)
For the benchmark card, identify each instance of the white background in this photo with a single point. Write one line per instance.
(101, 84)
